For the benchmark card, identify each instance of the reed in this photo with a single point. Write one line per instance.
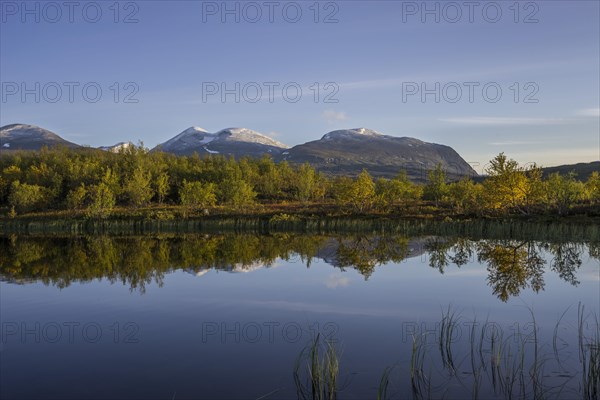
(590, 358)
(447, 329)
(316, 371)
(418, 380)
(512, 367)
(478, 228)
(384, 383)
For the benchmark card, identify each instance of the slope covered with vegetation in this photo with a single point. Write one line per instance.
(95, 184)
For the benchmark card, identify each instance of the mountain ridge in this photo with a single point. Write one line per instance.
(229, 141)
(348, 151)
(30, 137)
(582, 170)
(338, 152)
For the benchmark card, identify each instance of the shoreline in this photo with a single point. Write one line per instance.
(144, 222)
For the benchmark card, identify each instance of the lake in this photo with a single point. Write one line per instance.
(289, 315)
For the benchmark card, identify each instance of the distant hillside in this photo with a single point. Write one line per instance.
(348, 151)
(29, 137)
(583, 170)
(237, 142)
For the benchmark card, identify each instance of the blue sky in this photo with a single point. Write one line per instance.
(373, 58)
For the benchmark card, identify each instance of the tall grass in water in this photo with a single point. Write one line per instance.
(384, 383)
(316, 371)
(589, 356)
(497, 366)
(447, 329)
(516, 366)
(418, 381)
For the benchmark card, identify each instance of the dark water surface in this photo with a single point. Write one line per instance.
(228, 316)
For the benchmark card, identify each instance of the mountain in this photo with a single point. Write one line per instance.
(348, 151)
(29, 137)
(117, 147)
(231, 141)
(583, 170)
(340, 152)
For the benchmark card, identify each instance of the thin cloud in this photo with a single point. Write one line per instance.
(332, 116)
(589, 112)
(337, 281)
(476, 75)
(514, 143)
(505, 121)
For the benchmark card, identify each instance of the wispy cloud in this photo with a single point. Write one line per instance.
(514, 143)
(332, 116)
(589, 112)
(505, 121)
(335, 281)
(478, 75)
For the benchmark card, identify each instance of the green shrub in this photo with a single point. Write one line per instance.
(26, 197)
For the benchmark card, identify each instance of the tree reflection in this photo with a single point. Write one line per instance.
(444, 251)
(366, 252)
(512, 266)
(439, 250)
(566, 260)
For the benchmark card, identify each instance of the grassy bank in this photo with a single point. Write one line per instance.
(307, 219)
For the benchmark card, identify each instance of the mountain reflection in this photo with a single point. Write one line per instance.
(512, 265)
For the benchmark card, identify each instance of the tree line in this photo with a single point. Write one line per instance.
(94, 182)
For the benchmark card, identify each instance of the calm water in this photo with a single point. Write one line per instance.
(228, 316)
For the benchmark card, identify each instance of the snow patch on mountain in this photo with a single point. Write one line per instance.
(210, 151)
(351, 133)
(117, 147)
(192, 137)
(245, 268)
(248, 136)
(30, 137)
(198, 138)
(22, 130)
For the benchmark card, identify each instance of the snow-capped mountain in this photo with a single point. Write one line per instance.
(190, 138)
(117, 147)
(29, 137)
(231, 141)
(340, 152)
(356, 133)
(348, 151)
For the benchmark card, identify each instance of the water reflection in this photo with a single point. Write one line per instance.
(512, 266)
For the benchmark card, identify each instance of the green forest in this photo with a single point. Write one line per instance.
(97, 184)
